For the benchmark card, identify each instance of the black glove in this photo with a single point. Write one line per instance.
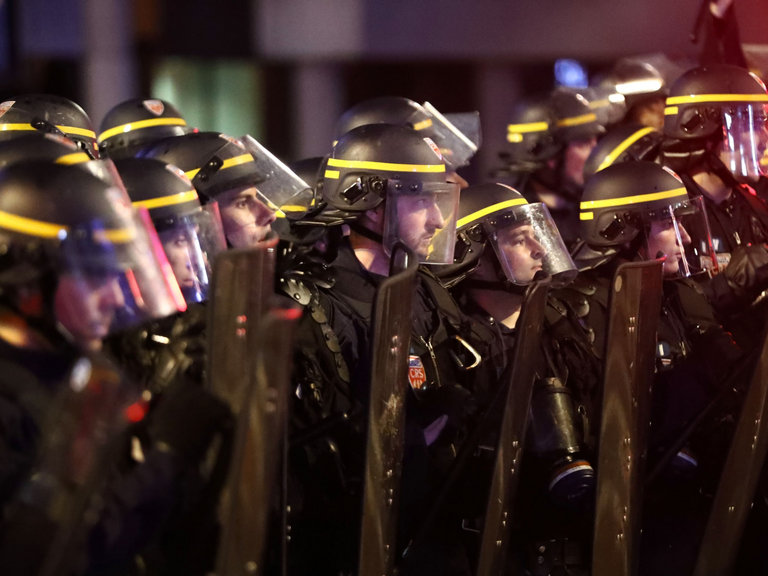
(745, 277)
(186, 419)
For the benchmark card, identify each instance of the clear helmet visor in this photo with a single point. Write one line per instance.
(526, 241)
(679, 234)
(113, 277)
(422, 215)
(191, 243)
(287, 195)
(457, 135)
(745, 138)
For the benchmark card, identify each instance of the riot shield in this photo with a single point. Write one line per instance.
(519, 388)
(249, 360)
(634, 308)
(738, 478)
(80, 443)
(391, 327)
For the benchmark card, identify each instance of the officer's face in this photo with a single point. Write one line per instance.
(663, 240)
(246, 219)
(521, 250)
(576, 154)
(419, 218)
(179, 248)
(85, 306)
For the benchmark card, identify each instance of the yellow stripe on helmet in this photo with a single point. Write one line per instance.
(386, 166)
(577, 120)
(515, 131)
(636, 199)
(77, 131)
(499, 206)
(332, 174)
(174, 200)
(708, 98)
(423, 124)
(139, 125)
(228, 163)
(73, 158)
(13, 127)
(30, 226)
(42, 229)
(616, 152)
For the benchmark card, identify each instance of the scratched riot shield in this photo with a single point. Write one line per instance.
(634, 307)
(506, 475)
(81, 435)
(391, 327)
(249, 366)
(738, 478)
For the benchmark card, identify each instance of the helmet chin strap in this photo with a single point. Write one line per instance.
(366, 232)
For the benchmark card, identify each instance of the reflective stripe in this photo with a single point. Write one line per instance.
(703, 98)
(65, 129)
(15, 126)
(332, 174)
(530, 127)
(637, 199)
(386, 166)
(515, 131)
(228, 163)
(139, 124)
(77, 131)
(490, 210)
(577, 120)
(31, 227)
(586, 215)
(670, 110)
(423, 124)
(73, 158)
(602, 103)
(180, 198)
(611, 158)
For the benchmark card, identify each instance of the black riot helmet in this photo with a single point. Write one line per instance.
(44, 146)
(191, 234)
(623, 143)
(632, 82)
(457, 144)
(133, 124)
(219, 165)
(496, 216)
(530, 140)
(395, 110)
(574, 118)
(94, 260)
(47, 113)
(624, 205)
(717, 112)
(396, 166)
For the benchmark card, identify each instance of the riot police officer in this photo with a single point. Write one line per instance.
(549, 139)
(389, 183)
(78, 265)
(715, 135)
(502, 243)
(641, 210)
(255, 190)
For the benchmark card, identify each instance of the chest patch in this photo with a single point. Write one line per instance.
(417, 376)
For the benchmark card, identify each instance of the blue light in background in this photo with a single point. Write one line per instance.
(570, 73)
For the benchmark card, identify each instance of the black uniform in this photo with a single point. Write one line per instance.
(332, 375)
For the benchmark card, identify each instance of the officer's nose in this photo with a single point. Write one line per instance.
(685, 238)
(435, 216)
